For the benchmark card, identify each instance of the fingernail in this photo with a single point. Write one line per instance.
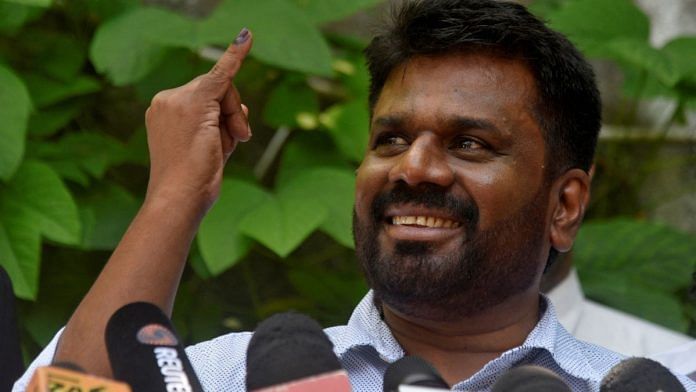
(242, 37)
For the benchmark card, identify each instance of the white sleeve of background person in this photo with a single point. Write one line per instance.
(44, 359)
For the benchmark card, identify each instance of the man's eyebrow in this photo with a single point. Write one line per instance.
(463, 123)
(388, 121)
(458, 123)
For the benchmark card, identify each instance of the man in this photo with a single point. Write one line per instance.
(483, 127)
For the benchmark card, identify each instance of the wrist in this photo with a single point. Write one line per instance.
(188, 207)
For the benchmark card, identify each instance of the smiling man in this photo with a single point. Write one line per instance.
(483, 128)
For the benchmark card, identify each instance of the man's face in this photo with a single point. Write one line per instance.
(451, 198)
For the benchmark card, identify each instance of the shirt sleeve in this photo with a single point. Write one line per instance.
(44, 359)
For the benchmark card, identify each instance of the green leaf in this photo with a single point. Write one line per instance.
(328, 289)
(106, 9)
(287, 100)
(220, 239)
(33, 203)
(105, 212)
(15, 106)
(19, 253)
(621, 260)
(348, 125)
(593, 23)
(307, 150)
(14, 15)
(48, 121)
(283, 221)
(90, 152)
(641, 55)
(46, 91)
(334, 190)
(283, 35)
(54, 54)
(322, 11)
(35, 3)
(165, 76)
(358, 80)
(133, 44)
(682, 53)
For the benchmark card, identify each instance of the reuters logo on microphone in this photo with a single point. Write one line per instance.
(156, 335)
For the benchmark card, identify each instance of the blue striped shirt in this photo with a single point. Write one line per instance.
(366, 347)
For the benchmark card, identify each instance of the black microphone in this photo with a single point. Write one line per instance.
(412, 371)
(145, 352)
(530, 378)
(291, 352)
(640, 375)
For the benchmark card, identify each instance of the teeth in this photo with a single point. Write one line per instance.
(427, 221)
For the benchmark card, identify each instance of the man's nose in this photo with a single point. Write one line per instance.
(425, 161)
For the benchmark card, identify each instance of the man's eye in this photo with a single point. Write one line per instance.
(468, 144)
(389, 141)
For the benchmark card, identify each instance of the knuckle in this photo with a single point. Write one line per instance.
(160, 99)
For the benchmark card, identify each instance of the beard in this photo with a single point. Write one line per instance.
(488, 267)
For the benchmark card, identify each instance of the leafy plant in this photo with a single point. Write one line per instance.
(77, 77)
(640, 267)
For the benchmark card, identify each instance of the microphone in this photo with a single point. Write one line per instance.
(640, 375)
(65, 377)
(290, 352)
(412, 373)
(530, 378)
(145, 352)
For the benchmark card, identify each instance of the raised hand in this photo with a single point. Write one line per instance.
(192, 130)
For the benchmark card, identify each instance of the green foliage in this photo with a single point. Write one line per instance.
(34, 203)
(592, 25)
(638, 266)
(15, 106)
(77, 77)
(221, 243)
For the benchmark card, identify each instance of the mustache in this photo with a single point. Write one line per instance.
(430, 196)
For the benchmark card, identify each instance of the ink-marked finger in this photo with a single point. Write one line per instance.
(218, 79)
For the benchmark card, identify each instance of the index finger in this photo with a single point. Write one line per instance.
(231, 60)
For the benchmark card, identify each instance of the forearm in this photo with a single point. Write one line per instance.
(146, 266)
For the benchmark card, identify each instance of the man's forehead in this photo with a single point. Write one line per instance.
(457, 87)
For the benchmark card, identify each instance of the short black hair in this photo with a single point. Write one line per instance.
(568, 105)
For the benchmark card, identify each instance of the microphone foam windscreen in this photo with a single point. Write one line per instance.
(530, 378)
(640, 375)
(145, 352)
(412, 370)
(287, 347)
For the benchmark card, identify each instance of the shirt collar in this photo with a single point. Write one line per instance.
(568, 299)
(366, 328)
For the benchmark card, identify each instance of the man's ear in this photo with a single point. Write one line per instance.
(571, 191)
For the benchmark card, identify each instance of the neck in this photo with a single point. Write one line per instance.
(460, 348)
